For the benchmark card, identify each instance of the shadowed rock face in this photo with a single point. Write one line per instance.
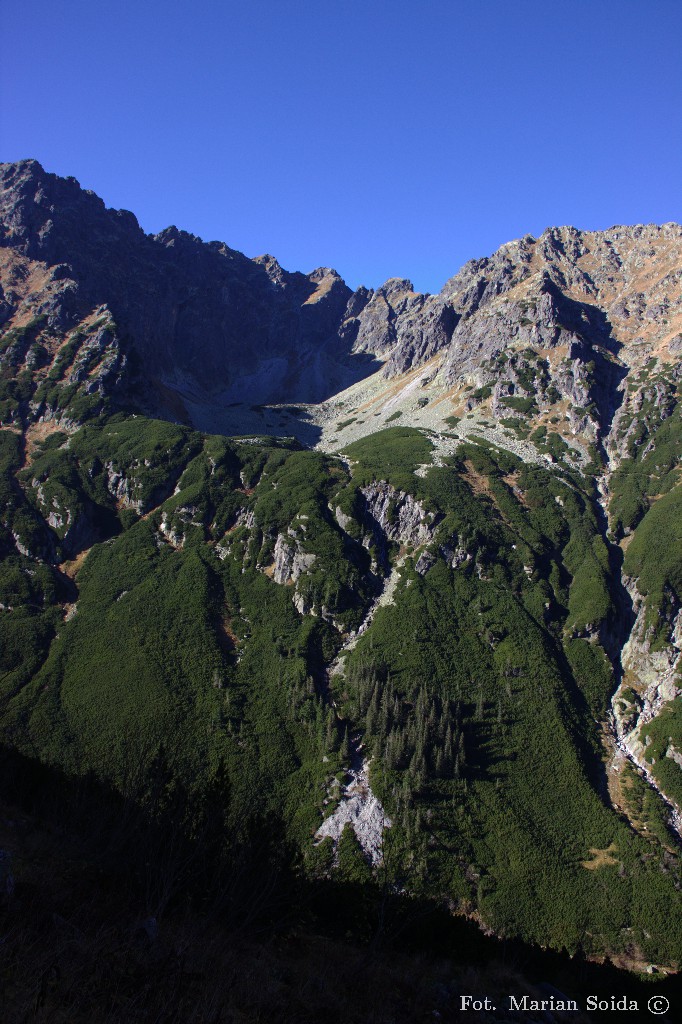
(193, 315)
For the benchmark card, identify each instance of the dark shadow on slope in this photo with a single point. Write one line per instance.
(594, 331)
(607, 392)
(274, 399)
(237, 419)
(84, 933)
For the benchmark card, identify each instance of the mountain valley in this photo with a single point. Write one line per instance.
(388, 583)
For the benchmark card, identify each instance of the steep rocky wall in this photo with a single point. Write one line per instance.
(651, 678)
(194, 322)
(396, 516)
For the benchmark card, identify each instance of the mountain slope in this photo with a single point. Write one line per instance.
(459, 616)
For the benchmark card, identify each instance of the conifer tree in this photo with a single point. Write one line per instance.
(345, 747)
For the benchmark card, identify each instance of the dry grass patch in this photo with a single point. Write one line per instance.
(478, 483)
(601, 858)
(451, 394)
(512, 480)
(323, 288)
(73, 567)
(37, 433)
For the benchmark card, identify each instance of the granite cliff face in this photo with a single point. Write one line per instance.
(189, 330)
(195, 319)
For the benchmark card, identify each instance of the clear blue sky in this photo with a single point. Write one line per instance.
(383, 138)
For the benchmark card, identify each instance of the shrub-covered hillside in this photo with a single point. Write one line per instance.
(204, 625)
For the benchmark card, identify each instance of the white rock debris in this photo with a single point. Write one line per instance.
(385, 598)
(360, 809)
(653, 675)
(358, 806)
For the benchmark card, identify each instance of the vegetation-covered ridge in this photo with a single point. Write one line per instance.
(172, 602)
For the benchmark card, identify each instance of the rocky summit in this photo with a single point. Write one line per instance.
(381, 588)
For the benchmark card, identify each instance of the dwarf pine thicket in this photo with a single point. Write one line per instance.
(477, 689)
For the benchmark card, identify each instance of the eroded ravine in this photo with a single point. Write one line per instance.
(634, 664)
(357, 805)
(651, 677)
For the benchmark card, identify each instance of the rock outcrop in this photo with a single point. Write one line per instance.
(200, 318)
(290, 561)
(396, 516)
(403, 326)
(651, 682)
(651, 678)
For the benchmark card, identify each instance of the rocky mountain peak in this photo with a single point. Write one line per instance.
(199, 328)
